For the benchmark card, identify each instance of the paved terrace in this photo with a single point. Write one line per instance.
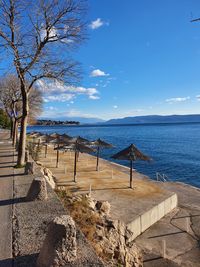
(6, 196)
(139, 207)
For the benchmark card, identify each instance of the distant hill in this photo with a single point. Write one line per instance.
(156, 119)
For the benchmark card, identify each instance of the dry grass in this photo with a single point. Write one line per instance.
(86, 219)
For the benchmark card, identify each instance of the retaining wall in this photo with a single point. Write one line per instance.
(148, 218)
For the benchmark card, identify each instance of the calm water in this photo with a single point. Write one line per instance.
(174, 148)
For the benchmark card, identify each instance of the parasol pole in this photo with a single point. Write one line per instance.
(75, 161)
(97, 167)
(38, 143)
(45, 150)
(57, 157)
(131, 173)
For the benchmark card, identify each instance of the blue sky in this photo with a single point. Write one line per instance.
(142, 57)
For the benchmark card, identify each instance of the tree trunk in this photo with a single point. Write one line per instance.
(17, 134)
(11, 128)
(14, 132)
(24, 119)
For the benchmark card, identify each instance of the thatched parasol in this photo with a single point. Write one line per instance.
(55, 135)
(131, 153)
(58, 149)
(100, 144)
(77, 147)
(46, 140)
(79, 140)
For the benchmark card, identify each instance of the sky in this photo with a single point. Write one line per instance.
(141, 57)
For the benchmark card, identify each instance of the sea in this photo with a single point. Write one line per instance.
(173, 148)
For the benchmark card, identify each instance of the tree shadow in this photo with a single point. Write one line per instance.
(11, 175)
(6, 156)
(153, 259)
(7, 202)
(167, 234)
(26, 260)
(186, 216)
(6, 166)
(6, 162)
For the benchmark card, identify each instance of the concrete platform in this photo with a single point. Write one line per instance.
(139, 208)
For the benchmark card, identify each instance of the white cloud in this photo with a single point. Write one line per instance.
(57, 91)
(52, 108)
(94, 97)
(177, 99)
(59, 98)
(98, 73)
(115, 106)
(198, 97)
(47, 113)
(53, 35)
(95, 24)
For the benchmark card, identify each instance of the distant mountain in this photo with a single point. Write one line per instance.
(82, 120)
(156, 119)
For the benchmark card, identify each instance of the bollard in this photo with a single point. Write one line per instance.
(90, 191)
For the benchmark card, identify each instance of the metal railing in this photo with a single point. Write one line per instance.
(162, 177)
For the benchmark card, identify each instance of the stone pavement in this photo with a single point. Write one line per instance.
(6, 198)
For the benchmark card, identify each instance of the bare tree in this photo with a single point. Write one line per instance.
(11, 101)
(10, 98)
(39, 35)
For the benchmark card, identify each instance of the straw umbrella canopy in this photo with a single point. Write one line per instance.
(55, 135)
(65, 136)
(79, 140)
(100, 144)
(131, 153)
(35, 135)
(58, 149)
(77, 147)
(46, 140)
(31, 134)
(60, 140)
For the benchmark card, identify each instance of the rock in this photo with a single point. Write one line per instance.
(112, 240)
(49, 177)
(133, 257)
(39, 163)
(103, 207)
(29, 168)
(37, 190)
(91, 202)
(100, 231)
(59, 247)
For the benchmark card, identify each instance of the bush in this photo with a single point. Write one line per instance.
(4, 120)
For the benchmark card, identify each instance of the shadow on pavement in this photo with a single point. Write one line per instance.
(27, 260)
(12, 201)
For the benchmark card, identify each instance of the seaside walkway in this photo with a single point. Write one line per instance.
(6, 198)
